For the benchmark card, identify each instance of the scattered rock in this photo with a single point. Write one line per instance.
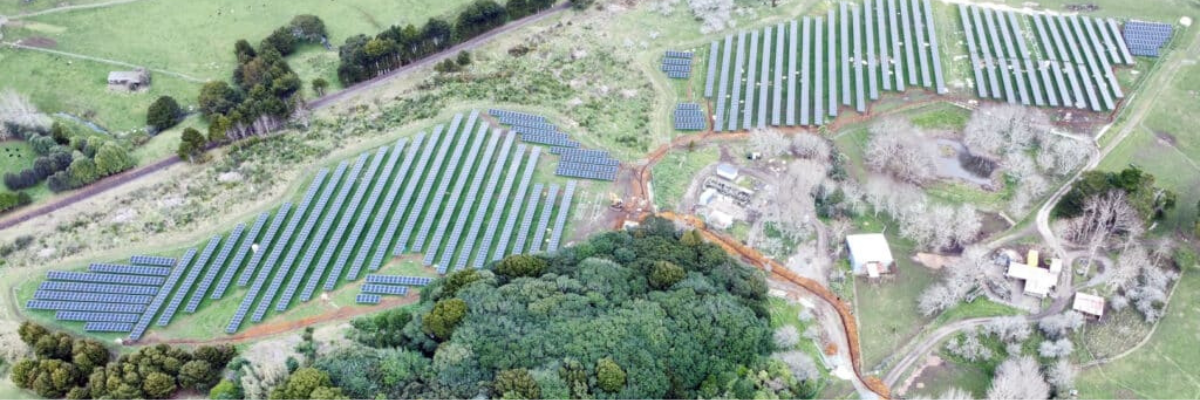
(123, 215)
(578, 54)
(575, 102)
(47, 252)
(171, 202)
(629, 93)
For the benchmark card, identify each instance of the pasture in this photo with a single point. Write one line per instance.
(675, 172)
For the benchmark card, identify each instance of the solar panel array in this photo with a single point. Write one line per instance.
(144, 322)
(1146, 38)
(677, 64)
(367, 299)
(105, 278)
(854, 38)
(587, 171)
(42, 294)
(215, 269)
(1071, 64)
(152, 260)
(81, 306)
(98, 288)
(108, 327)
(688, 117)
(244, 249)
(128, 269)
(81, 316)
(372, 288)
(398, 280)
(138, 294)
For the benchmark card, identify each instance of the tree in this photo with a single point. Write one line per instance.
(802, 366)
(1011, 329)
(197, 374)
(1060, 348)
(225, 390)
(609, 375)
(18, 111)
(464, 58)
(770, 142)
(581, 5)
(158, 385)
(1061, 376)
(521, 265)
(191, 144)
(319, 85)
(281, 40)
(445, 316)
(244, 51)
(898, 148)
(304, 384)
(480, 16)
(969, 347)
(1018, 378)
(1102, 217)
(217, 97)
(786, 337)
(112, 158)
(458, 280)
(308, 27)
(516, 383)
(665, 275)
(810, 146)
(163, 113)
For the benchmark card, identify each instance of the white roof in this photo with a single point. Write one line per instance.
(1038, 281)
(1089, 304)
(727, 170)
(869, 247)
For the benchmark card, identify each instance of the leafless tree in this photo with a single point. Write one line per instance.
(935, 299)
(1164, 247)
(1148, 293)
(1058, 326)
(811, 147)
(1118, 302)
(787, 337)
(995, 130)
(1104, 216)
(715, 14)
(1018, 378)
(12, 349)
(1129, 265)
(966, 225)
(802, 366)
(1061, 376)
(793, 208)
(898, 148)
(17, 109)
(769, 142)
(969, 347)
(1011, 329)
(1056, 349)
(1030, 188)
(956, 394)
(1060, 156)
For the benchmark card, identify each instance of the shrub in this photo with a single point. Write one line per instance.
(521, 265)
(163, 114)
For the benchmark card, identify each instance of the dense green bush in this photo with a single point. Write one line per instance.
(163, 114)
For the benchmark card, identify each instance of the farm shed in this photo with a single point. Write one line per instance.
(869, 254)
(129, 80)
(1089, 304)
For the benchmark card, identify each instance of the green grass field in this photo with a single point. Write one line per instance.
(17, 155)
(1167, 366)
(675, 172)
(14, 7)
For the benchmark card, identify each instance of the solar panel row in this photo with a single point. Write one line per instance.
(389, 200)
(213, 271)
(398, 280)
(426, 187)
(539, 234)
(561, 220)
(128, 269)
(194, 271)
(468, 244)
(43, 294)
(464, 216)
(165, 291)
(367, 299)
(350, 243)
(331, 242)
(372, 288)
(82, 306)
(105, 278)
(526, 220)
(444, 185)
(108, 327)
(459, 185)
(152, 260)
(98, 288)
(83, 316)
(292, 244)
(514, 212)
(315, 244)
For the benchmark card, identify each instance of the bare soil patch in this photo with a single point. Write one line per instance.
(1166, 137)
(39, 42)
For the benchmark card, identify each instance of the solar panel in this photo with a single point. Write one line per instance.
(969, 29)
(318, 240)
(483, 208)
(128, 269)
(881, 28)
(527, 219)
(1118, 41)
(43, 294)
(1079, 63)
(372, 288)
(193, 273)
(872, 86)
(217, 264)
(384, 209)
(83, 316)
(1009, 53)
(107, 327)
(1097, 52)
(764, 76)
(819, 70)
(833, 76)
(561, 221)
(152, 261)
(985, 48)
(922, 52)
(909, 45)
(1027, 59)
(105, 278)
(719, 122)
(494, 223)
(331, 242)
(895, 28)
(409, 191)
(399, 280)
(846, 61)
(539, 235)
(281, 216)
(806, 53)
(367, 299)
(1146, 38)
(350, 243)
(98, 288)
(780, 79)
(1061, 62)
(515, 210)
(444, 184)
(751, 81)
(150, 311)
(283, 269)
(456, 195)
(860, 103)
(84, 306)
(738, 66)
(934, 50)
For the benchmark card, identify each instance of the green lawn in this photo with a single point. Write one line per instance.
(979, 308)
(17, 155)
(952, 374)
(942, 116)
(1165, 367)
(675, 172)
(13, 7)
(78, 87)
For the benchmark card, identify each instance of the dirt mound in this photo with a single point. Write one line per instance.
(39, 42)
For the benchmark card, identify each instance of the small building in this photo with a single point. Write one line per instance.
(727, 171)
(129, 80)
(1039, 282)
(707, 196)
(869, 254)
(1089, 304)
